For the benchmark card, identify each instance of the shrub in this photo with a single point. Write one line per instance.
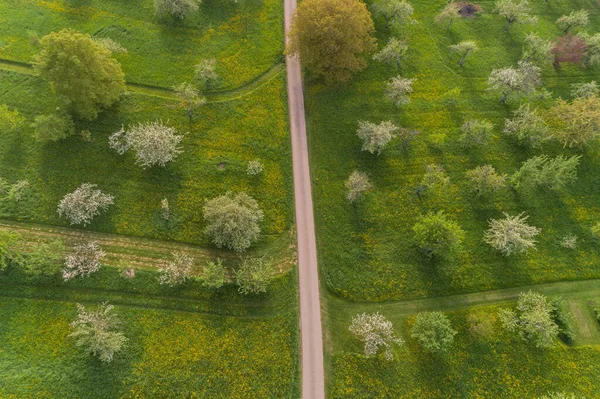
(53, 127)
(9, 248)
(46, 259)
(511, 234)
(176, 8)
(485, 180)
(596, 230)
(83, 260)
(437, 234)
(213, 275)
(165, 209)
(563, 319)
(376, 332)
(10, 121)
(254, 168)
(17, 191)
(83, 204)
(475, 132)
(176, 270)
(595, 309)
(254, 275)
(569, 241)
(433, 331)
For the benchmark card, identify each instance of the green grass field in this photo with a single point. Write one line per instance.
(367, 251)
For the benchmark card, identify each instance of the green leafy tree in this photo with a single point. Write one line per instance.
(9, 248)
(434, 180)
(46, 259)
(393, 52)
(527, 126)
(53, 127)
(464, 48)
(475, 132)
(254, 275)
(375, 137)
(331, 37)
(81, 71)
(233, 220)
(10, 121)
(511, 234)
(585, 90)
(515, 12)
(532, 320)
(433, 331)
(485, 180)
(176, 8)
(538, 51)
(206, 76)
(98, 332)
(577, 122)
(213, 274)
(395, 12)
(546, 173)
(575, 18)
(448, 14)
(437, 234)
(560, 395)
(592, 50)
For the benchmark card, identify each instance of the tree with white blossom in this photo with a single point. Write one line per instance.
(511, 234)
(375, 137)
(357, 184)
(393, 52)
(515, 12)
(398, 89)
(84, 203)
(83, 260)
(176, 270)
(522, 80)
(376, 332)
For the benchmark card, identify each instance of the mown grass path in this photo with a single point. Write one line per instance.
(168, 94)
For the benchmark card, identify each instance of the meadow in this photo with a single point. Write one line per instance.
(366, 250)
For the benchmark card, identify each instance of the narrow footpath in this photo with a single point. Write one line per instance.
(311, 337)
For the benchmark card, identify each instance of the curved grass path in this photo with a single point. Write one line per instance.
(168, 94)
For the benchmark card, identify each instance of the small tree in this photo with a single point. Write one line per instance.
(570, 49)
(592, 51)
(176, 8)
(585, 90)
(544, 172)
(448, 14)
(560, 395)
(511, 234)
(10, 121)
(98, 332)
(9, 245)
(533, 319)
(213, 274)
(206, 76)
(522, 80)
(233, 220)
(254, 167)
(111, 45)
(357, 184)
(393, 52)
(578, 122)
(153, 143)
(165, 209)
(435, 179)
(398, 89)
(17, 191)
(84, 203)
(81, 71)
(485, 180)
(537, 50)
(433, 331)
(46, 259)
(375, 137)
(406, 136)
(475, 132)
(514, 11)
(254, 275)
(189, 98)
(464, 48)
(376, 332)
(395, 12)
(177, 270)
(331, 37)
(527, 127)
(437, 234)
(83, 260)
(53, 127)
(575, 18)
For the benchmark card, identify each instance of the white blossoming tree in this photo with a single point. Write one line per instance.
(376, 332)
(375, 137)
(177, 270)
(511, 234)
(84, 203)
(83, 260)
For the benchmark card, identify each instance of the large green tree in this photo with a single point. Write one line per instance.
(331, 37)
(81, 71)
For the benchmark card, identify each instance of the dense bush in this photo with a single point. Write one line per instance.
(563, 319)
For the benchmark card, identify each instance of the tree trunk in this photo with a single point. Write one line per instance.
(462, 60)
(449, 25)
(504, 97)
(508, 22)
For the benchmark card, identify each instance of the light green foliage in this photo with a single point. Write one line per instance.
(206, 76)
(532, 320)
(81, 72)
(233, 220)
(569, 241)
(527, 126)
(45, 259)
(595, 229)
(398, 89)
(433, 331)
(592, 52)
(481, 324)
(9, 244)
(375, 137)
(546, 173)
(213, 274)
(464, 48)
(511, 234)
(176, 270)
(437, 234)
(396, 12)
(255, 167)
(18, 191)
(110, 45)
(189, 98)
(98, 332)
(563, 319)
(560, 395)
(585, 90)
(522, 80)
(254, 275)
(435, 179)
(53, 127)
(485, 180)
(357, 184)
(575, 18)
(332, 37)
(393, 52)
(515, 11)
(475, 133)
(537, 50)
(176, 8)
(448, 14)
(376, 332)
(578, 121)
(10, 121)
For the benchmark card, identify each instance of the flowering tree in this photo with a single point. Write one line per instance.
(448, 14)
(464, 48)
(514, 11)
(213, 274)
(189, 98)
(98, 332)
(570, 49)
(485, 180)
(522, 80)
(527, 127)
(176, 270)
(376, 332)
(375, 137)
(206, 76)
(475, 132)
(83, 260)
(585, 90)
(537, 50)
(578, 121)
(395, 12)
(576, 18)
(84, 203)
(435, 179)
(357, 184)
(393, 52)
(398, 89)
(511, 234)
